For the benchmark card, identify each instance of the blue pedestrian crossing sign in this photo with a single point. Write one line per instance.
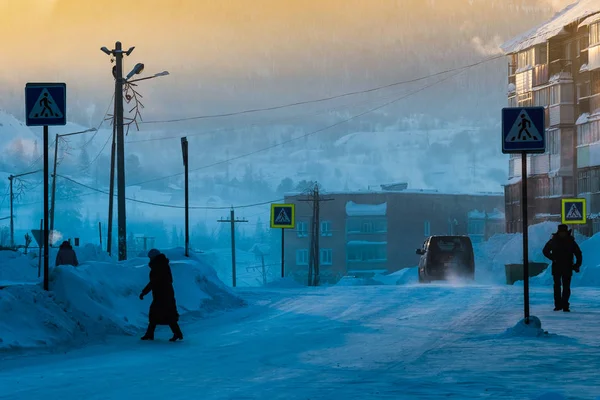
(45, 104)
(283, 216)
(573, 211)
(523, 130)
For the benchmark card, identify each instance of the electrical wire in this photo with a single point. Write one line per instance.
(255, 110)
(169, 205)
(304, 135)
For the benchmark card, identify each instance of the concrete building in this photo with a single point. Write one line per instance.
(557, 65)
(364, 233)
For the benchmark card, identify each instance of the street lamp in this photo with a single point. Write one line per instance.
(117, 53)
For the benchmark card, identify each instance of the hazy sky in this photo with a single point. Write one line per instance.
(244, 51)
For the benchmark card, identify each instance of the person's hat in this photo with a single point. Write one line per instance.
(563, 228)
(153, 253)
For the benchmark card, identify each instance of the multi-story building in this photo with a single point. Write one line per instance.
(557, 66)
(364, 233)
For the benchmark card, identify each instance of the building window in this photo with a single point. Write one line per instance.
(553, 141)
(427, 228)
(366, 225)
(302, 257)
(595, 34)
(326, 257)
(326, 228)
(302, 229)
(358, 252)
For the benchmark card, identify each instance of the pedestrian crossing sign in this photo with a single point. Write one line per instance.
(573, 211)
(45, 104)
(523, 130)
(283, 216)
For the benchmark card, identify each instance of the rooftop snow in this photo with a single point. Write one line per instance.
(590, 20)
(576, 12)
(356, 210)
(476, 214)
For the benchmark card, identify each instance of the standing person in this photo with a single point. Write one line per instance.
(561, 249)
(66, 255)
(163, 310)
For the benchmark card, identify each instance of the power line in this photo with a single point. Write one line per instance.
(255, 110)
(270, 121)
(169, 205)
(304, 135)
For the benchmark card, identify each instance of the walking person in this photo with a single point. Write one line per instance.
(163, 310)
(561, 249)
(66, 255)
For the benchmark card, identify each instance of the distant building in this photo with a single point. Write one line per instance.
(364, 233)
(557, 65)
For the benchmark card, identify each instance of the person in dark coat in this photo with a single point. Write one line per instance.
(163, 310)
(66, 255)
(561, 249)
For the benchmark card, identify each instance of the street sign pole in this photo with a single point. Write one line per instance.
(525, 236)
(184, 150)
(524, 132)
(45, 105)
(46, 207)
(283, 252)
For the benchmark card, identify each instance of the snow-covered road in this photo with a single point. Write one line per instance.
(397, 342)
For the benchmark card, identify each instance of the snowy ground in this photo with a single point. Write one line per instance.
(396, 342)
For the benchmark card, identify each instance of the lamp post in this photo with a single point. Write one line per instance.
(117, 53)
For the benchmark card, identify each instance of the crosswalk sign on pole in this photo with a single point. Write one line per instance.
(573, 211)
(45, 104)
(283, 216)
(523, 130)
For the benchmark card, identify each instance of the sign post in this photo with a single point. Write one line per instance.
(184, 150)
(523, 132)
(45, 105)
(283, 216)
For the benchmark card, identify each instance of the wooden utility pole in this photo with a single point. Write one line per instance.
(232, 221)
(315, 251)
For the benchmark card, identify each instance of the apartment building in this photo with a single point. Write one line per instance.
(365, 233)
(556, 65)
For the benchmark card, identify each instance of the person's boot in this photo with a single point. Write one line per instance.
(177, 336)
(557, 308)
(147, 337)
(566, 309)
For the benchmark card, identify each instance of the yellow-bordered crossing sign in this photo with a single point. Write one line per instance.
(283, 216)
(573, 211)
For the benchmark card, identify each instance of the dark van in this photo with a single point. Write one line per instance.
(444, 257)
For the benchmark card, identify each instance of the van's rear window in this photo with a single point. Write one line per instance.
(450, 244)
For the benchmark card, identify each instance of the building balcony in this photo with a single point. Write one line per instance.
(560, 65)
(561, 114)
(540, 75)
(588, 155)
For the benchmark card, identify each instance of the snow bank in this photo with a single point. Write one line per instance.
(405, 276)
(15, 266)
(284, 283)
(492, 256)
(100, 298)
(521, 329)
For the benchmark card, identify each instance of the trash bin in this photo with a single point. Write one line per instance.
(514, 272)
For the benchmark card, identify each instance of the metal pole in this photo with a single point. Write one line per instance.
(282, 252)
(46, 232)
(233, 273)
(100, 232)
(12, 218)
(122, 220)
(54, 184)
(525, 236)
(184, 149)
(264, 272)
(41, 247)
(111, 190)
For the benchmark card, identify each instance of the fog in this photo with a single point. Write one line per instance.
(440, 132)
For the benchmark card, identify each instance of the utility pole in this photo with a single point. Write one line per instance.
(111, 190)
(12, 214)
(315, 250)
(233, 221)
(184, 150)
(117, 53)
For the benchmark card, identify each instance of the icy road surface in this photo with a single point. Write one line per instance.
(395, 342)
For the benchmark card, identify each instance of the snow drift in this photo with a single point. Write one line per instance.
(99, 298)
